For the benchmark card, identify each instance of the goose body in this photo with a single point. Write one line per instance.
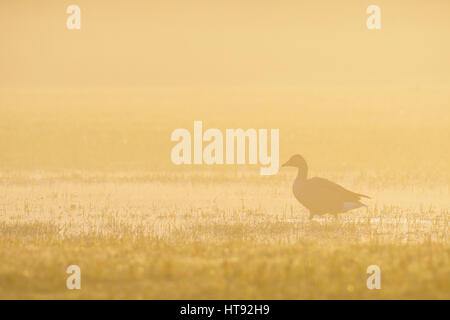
(321, 196)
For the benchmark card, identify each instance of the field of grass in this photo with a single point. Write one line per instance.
(86, 179)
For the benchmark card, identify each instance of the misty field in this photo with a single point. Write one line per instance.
(197, 237)
(94, 187)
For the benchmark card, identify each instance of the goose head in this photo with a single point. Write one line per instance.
(297, 161)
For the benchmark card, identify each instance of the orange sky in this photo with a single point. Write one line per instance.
(225, 43)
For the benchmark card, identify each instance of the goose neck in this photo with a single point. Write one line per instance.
(301, 174)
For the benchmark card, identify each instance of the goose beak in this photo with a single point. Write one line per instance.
(285, 164)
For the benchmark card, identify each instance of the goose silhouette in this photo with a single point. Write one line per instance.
(321, 196)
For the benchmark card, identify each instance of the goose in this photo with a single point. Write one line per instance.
(321, 196)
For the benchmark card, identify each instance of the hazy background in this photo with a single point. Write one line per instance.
(108, 96)
(225, 43)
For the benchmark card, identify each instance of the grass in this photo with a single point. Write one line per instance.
(161, 240)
